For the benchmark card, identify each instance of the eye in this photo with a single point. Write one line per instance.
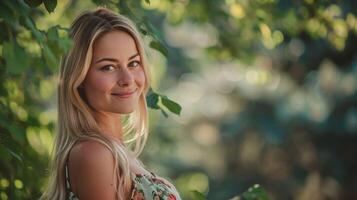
(134, 63)
(107, 68)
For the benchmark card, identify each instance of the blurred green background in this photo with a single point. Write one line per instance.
(267, 90)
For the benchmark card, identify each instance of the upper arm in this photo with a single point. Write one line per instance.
(91, 167)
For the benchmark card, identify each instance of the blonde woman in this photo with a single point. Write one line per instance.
(102, 115)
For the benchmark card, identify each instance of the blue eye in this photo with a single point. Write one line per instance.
(135, 63)
(107, 68)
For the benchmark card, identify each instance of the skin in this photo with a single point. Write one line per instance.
(115, 68)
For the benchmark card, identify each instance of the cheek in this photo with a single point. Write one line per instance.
(140, 78)
(96, 86)
(96, 82)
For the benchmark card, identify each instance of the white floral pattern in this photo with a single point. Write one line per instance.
(153, 188)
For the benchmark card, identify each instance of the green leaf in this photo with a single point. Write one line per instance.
(7, 14)
(58, 44)
(4, 34)
(143, 31)
(33, 3)
(35, 32)
(255, 193)
(16, 58)
(50, 5)
(52, 33)
(171, 105)
(5, 154)
(15, 155)
(147, 1)
(125, 9)
(65, 44)
(49, 57)
(196, 195)
(17, 132)
(18, 7)
(152, 99)
(156, 43)
(151, 28)
(164, 113)
(53, 40)
(159, 47)
(8, 143)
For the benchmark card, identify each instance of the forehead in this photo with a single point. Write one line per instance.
(114, 44)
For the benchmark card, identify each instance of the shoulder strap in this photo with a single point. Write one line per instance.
(68, 184)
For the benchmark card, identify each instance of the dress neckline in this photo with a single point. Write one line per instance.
(151, 176)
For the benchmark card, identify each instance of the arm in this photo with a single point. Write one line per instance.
(91, 167)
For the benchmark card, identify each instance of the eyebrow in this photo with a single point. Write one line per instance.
(115, 60)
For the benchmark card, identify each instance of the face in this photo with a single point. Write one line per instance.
(116, 77)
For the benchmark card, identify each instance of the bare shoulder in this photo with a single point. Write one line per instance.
(89, 151)
(91, 167)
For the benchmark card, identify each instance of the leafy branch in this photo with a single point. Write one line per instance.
(255, 192)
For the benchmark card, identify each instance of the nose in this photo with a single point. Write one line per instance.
(125, 77)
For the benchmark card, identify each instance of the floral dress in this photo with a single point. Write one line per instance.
(145, 188)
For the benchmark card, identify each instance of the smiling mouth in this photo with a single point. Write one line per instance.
(124, 94)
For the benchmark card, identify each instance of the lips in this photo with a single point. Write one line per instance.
(124, 94)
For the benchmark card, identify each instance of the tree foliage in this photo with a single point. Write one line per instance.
(28, 62)
(297, 35)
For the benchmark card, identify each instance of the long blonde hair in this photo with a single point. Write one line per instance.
(75, 121)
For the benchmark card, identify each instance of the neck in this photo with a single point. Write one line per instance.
(110, 124)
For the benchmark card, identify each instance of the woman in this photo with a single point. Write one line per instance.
(102, 115)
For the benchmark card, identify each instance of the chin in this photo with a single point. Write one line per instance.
(126, 111)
